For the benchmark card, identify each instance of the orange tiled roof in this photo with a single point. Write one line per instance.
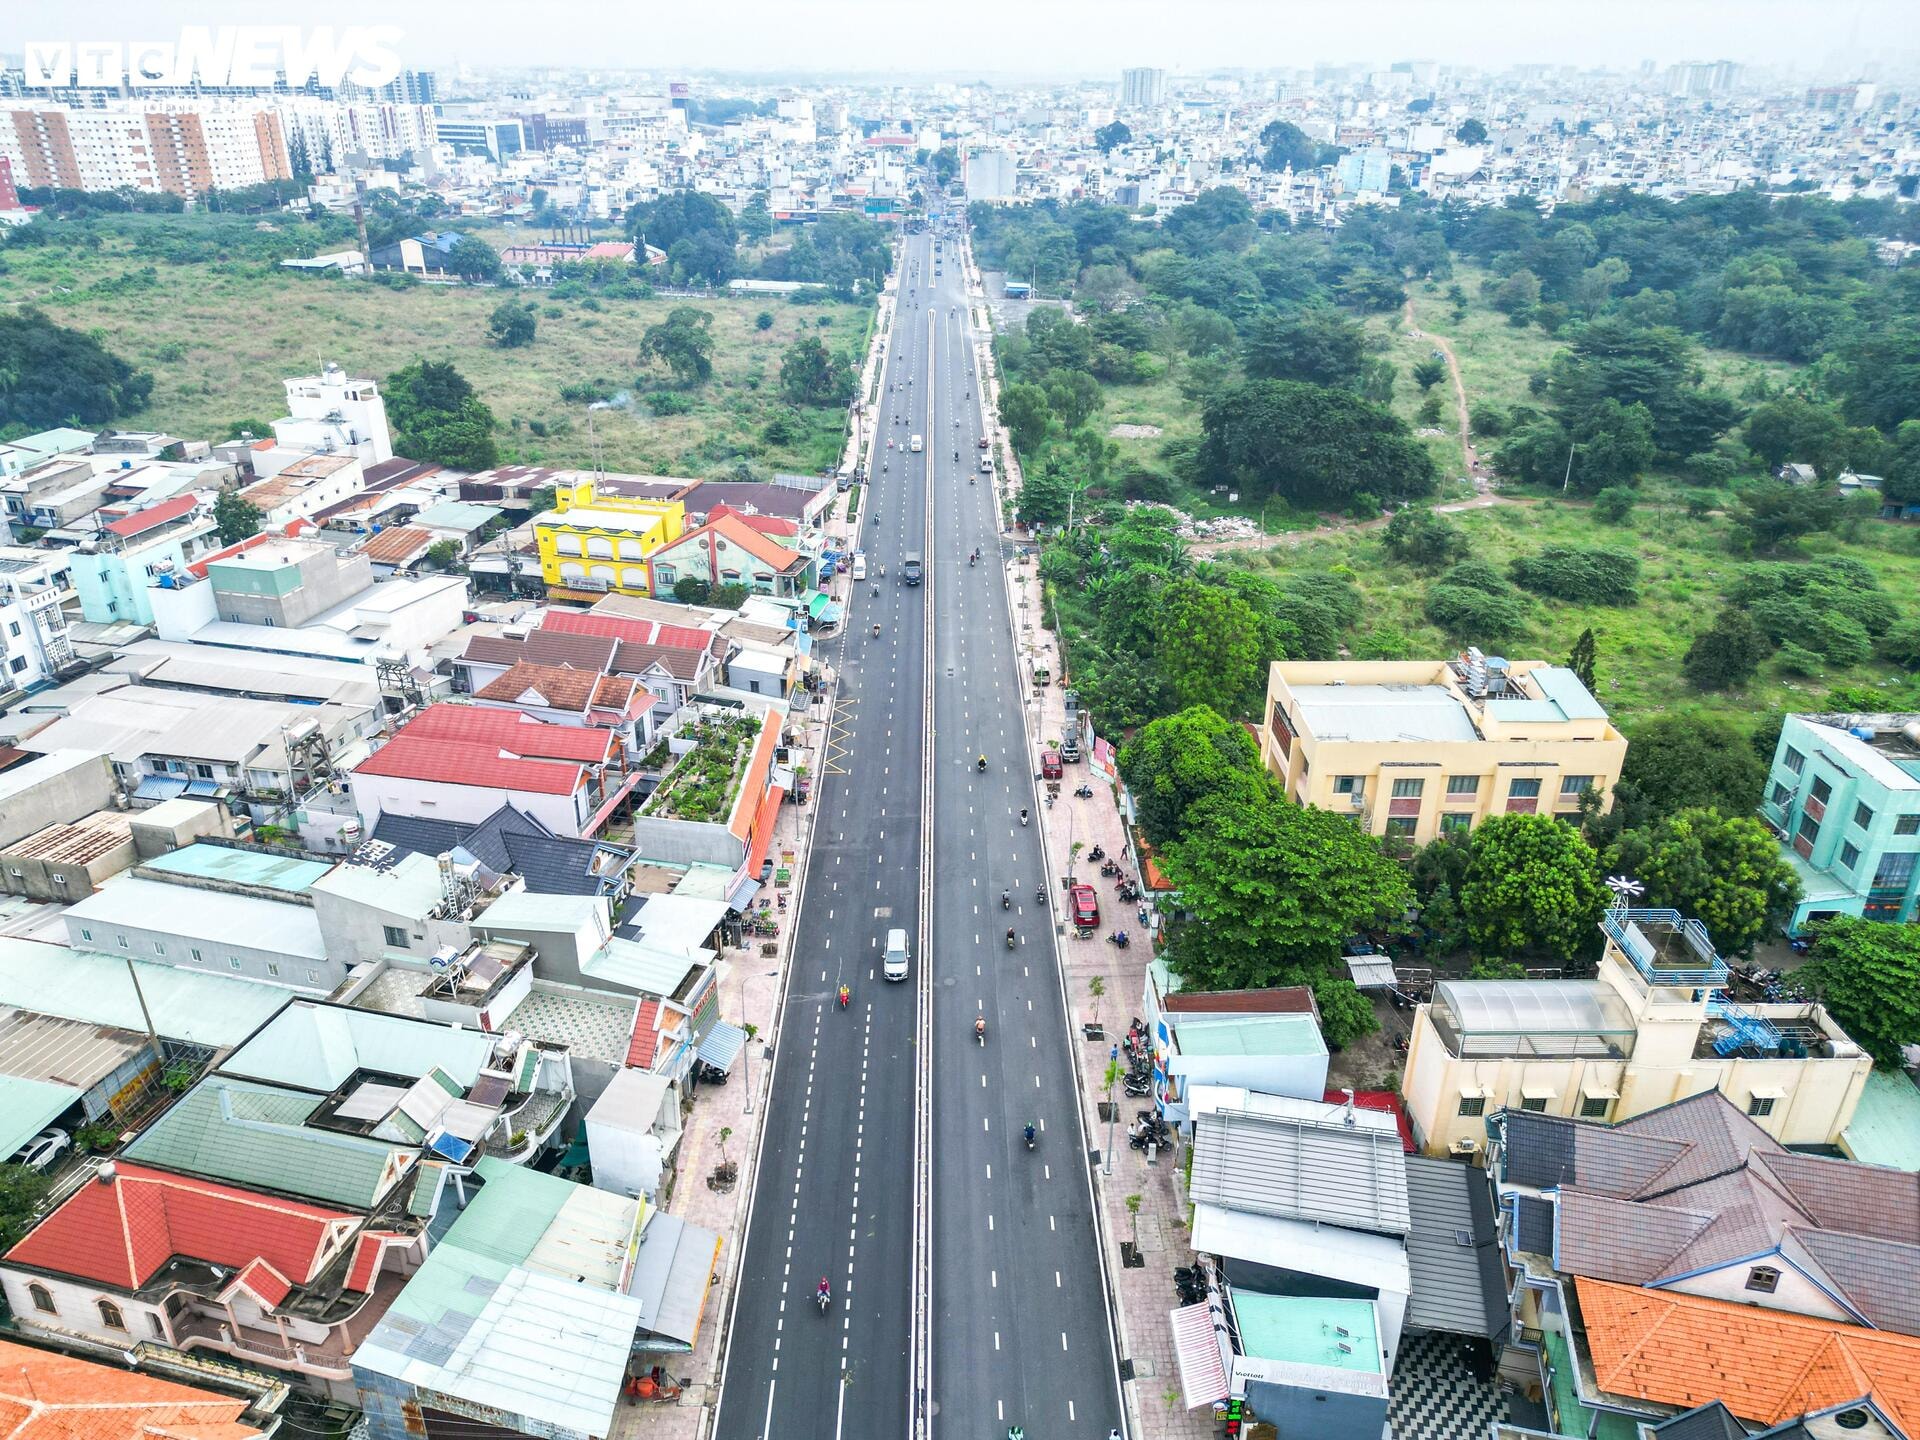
(1767, 1366)
(49, 1396)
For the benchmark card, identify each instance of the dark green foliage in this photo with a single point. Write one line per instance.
(1613, 505)
(1584, 577)
(1423, 539)
(1868, 976)
(1312, 343)
(1311, 445)
(697, 231)
(512, 325)
(238, 518)
(683, 342)
(811, 374)
(1725, 655)
(1772, 515)
(1586, 654)
(1690, 761)
(1180, 759)
(50, 376)
(692, 590)
(1472, 603)
(436, 417)
(1112, 134)
(1532, 889)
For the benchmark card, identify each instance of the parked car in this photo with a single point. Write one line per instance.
(1050, 765)
(42, 1152)
(1085, 907)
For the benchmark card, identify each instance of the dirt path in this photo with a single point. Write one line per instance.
(1205, 549)
(1467, 456)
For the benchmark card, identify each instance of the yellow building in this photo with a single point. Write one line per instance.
(595, 543)
(1644, 1033)
(1419, 748)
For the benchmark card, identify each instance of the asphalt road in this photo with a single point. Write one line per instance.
(1016, 1311)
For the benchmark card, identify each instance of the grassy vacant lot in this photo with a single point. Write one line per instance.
(1684, 565)
(219, 337)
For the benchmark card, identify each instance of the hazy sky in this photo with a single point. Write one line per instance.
(1042, 37)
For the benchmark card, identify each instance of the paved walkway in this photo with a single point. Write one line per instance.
(1145, 1294)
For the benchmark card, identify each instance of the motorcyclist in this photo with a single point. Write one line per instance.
(982, 762)
(825, 1291)
(876, 629)
(845, 995)
(1023, 816)
(1006, 899)
(1010, 937)
(1028, 1132)
(980, 1027)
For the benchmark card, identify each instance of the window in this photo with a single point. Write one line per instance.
(1535, 1103)
(1349, 784)
(1593, 1107)
(664, 575)
(1522, 789)
(1401, 827)
(1472, 1105)
(18, 664)
(1455, 824)
(1408, 789)
(396, 936)
(1849, 856)
(1809, 829)
(233, 962)
(1574, 786)
(110, 1315)
(203, 772)
(42, 1299)
(313, 975)
(159, 1330)
(123, 943)
(1782, 796)
(1895, 871)
(1822, 791)
(86, 934)
(1461, 785)
(272, 968)
(1760, 1105)
(1796, 762)
(159, 947)
(196, 954)
(1907, 825)
(1862, 816)
(1763, 1278)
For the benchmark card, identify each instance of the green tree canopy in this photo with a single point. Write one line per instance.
(237, 517)
(50, 375)
(1723, 870)
(1272, 888)
(1314, 343)
(811, 374)
(437, 417)
(1692, 761)
(1175, 761)
(1471, 132)
(1311, 445)
(1112, 134)
(511, 325)
(1532, 889)
(683, 342)
(473, 259)
(1207, 643)
(1868, 976)
(1725, 654)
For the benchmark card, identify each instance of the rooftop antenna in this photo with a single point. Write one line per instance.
(1625, 890)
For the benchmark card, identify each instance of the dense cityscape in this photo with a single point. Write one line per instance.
(542, 604)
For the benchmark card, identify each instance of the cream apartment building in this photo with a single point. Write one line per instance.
(1415, 749)
(1646, 1031)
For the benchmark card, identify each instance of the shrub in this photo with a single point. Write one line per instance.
(1613, 505)
(665, 402)
(1584, 577)
(1475, 615)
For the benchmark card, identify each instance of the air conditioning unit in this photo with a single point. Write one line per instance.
(1466, 1146)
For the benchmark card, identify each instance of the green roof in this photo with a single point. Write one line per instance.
(457, 515)
(187, 1005)
(1886, 1122)
(501, 1224)
(257, 1136)
(289, 873)
(27, 1107)
(426, 1180)
(1258, 1035)
(1305, 1330)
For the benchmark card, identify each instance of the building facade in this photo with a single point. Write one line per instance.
(595, 543)
(181, 148)
(1843, 795)
(1416, 749)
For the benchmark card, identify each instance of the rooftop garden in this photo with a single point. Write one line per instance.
(701, 787)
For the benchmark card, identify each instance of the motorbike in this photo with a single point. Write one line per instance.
(1039, 894)
(1120, 938)
(1109, 868)
(1006, 899)
(970, 560)
(982, 764)
(1085, 792)
(1097, 853)
(1010, 938)
(1145, 915)
(1129, 891)
(823, 1298)
(845, 996)
(1030, 1137)
(1023, 817)
(980, 1030)
(876, 591)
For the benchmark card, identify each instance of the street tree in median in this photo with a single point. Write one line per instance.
(1532, 888)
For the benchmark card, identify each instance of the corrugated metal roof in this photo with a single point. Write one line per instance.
(1276, 1164)
(63, 1051)
(1383, 713)
(1453, 1250)
(1248, 1035)
(193, 912)
(200, 1009)
(27, 1107)
(317, 1047)
(241, 867)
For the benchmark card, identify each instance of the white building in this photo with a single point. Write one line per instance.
(334, 413)
(33, 627)
(990, 175)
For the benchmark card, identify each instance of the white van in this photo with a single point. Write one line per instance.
(859, 565)
(915, 445)
(893, 964)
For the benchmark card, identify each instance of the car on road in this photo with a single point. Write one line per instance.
(983, 443)
(42, 1152)
(860, 565)
(1084, 905)
(914, 445)
(910, 567)
(893, 962)
(986, 464)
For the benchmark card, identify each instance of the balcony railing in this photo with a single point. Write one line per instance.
(1642, 946)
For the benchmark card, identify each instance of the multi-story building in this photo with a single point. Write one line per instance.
(1652, 1027)
(114, 571)
(34, 644)
(478, 135)
(1414, 749)
(1843, 795)
(592, 542)
(1142, 88)
(991, 175)
(335, 413)
(184, 148)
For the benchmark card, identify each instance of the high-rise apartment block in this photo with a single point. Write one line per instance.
(1142, 89)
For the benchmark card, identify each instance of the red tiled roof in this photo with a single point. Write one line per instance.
(1279, 1000)
(396, 544)
(265, 1283)
(45, 1395)
(560, 686)
(152, 518)
(521, 735)
(366, 1259)
(640, 632)
(763, 829)
(459, 762)
(120, 1233)
(614, 692)
(645, 1037)
(765, 524)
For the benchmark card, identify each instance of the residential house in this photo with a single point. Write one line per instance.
(1262, 1040)
(462, 762)
(335, 413)
(19, 456)
(35, 644)
(1415, 749)
(566, 696)
(114, 571)
(53, 494)
(395, 549)
(459, 521)
(56, 1069)
(1843, 795)
(592, 542)
(558, 1291)
(511, 842)
(65, 861)
(302, 488)
(1651, 1028)
(730, 550)
(669, 673)
(51, 1395)
(55, 787)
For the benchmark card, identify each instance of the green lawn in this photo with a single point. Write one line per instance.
(220, 337)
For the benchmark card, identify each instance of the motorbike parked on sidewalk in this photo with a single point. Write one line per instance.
(1085, 792)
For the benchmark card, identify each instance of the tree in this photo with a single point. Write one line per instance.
(1471, 132)
(436, 417)
(730, 596)
(1772, 514)
(763, 321)
(442, 555)
(1178, 760)
(811, 374)
(683, 342)
(1207, 643)
(1586, 651)
(22, 1188)
(1423, 539)
(1867, 974)
(247, 430)
(756, 220)
(1693, 761)
(1027, 414)
(1046, 497)
(1602, 576)
(1110, 135)
(1723, 870)
(1880, 376)
(1518, 294)
(1287, 147)
(237, 517)
(1792, 427)
(1311, 445)
(511, 325)
(692, 590)
(1271, 889)
(1532, 888)
(682, 215)
(1429, 373)
(1315, 343)
(473, 260)
(50, 376)
(1612, 506)
(1725, 655)
(1345, 1014)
